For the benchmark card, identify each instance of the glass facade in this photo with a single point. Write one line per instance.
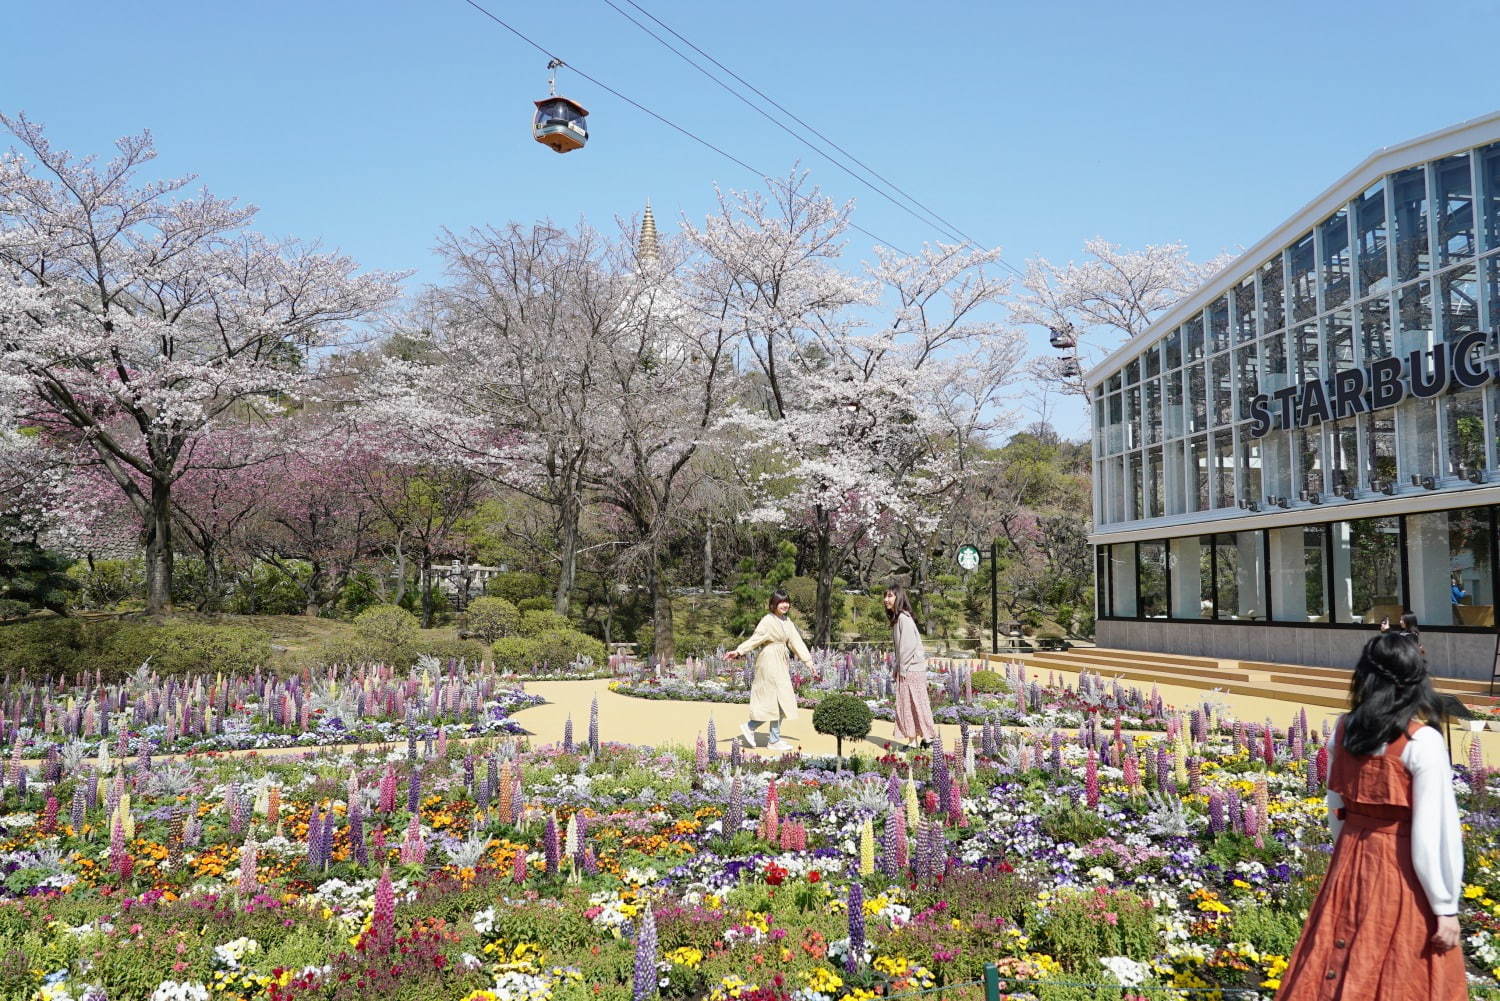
(1409, 264)
(1395, 274)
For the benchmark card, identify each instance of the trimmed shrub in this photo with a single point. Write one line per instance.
(562, 647)
(515, 654)
(534, 623)
(516, 586)
(989, 681)
(109, 583)
(534, 605)
(182, 647)
(843, 716)
(492, 618)
(443, 648)
(387, 627)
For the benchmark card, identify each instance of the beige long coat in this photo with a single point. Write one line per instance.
(771, 694)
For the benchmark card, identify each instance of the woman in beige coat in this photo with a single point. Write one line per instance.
(772, 698)
(913, 708)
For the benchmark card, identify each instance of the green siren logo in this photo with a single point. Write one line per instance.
(1384, 383)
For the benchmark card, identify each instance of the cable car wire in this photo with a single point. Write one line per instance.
(947, 231)
(942, 222)
(664, 120)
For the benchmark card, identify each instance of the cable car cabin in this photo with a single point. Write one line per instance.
(560, 124)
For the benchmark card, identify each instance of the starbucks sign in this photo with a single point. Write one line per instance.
(1381, 384)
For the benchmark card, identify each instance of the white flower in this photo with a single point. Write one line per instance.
(1126, 971)
(484, 921)
(187, 990)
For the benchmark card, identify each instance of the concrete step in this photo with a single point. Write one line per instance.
(1131, 657)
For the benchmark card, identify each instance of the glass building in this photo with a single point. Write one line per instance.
(1309, 443)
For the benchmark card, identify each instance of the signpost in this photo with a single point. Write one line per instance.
(969, 557)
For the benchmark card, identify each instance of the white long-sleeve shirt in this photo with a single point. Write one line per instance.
(1437, 850)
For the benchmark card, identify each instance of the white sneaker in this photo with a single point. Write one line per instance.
(781, 747)
(748, 734)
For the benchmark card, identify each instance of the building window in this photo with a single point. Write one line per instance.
(1244, 311)
(1418, 440)
(1374, 330)
(1153, 416)
(1218, 325)
(1135, 486)
(1489, 183)
(1458, 296)
(1122, 580)
(1240, 576)
(1272, 307)
(1250, 481)
(1192, 580)
(1380, 440)
(1299, 579)
(1153, 579)
(1367, 568)
(1343, 460)
(1448, 555)
(1310, 461)
(1155, 485)
(1192, 333)
(1175, 415)
(1463, 433)
(1223, 446)
(1247, 371)
(1101, 582)
(1409, 208)
(1455, 194)
(1222, 387)
(1302, 266)
(1198, 460)
(1370, 231)
(1334, 232)
(1197, 398)
(1338, 328)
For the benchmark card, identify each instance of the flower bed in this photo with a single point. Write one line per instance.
(597, 870)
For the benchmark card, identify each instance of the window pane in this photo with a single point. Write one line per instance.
(1247, 371)
(1455, 192)
(1192, 586)
(1122, 580)
(1223, 446)
(1415, 315)
(1176, 419)
(1153, 361)
(1244, 311)
(1338, 336)
(1373, 562)
(1192, 334)
(1218, 325)
(1409, 203)
(1250, 465)
(1489, 183)
(1458, 295)
(1133, 417)
(1374, 330)
(1272, 309)
(1116, 429)
(1448, 556)
(1153, 577)
(1241, 576)
(1380, 439)
(1302, 266)
(1174, 349)
(1198, 460)
(1464, 432)
(1175, 484)
(1101, 582)
(1155, 488)
(1305, 342)
(1152, 418)
(1298, 577)
(1197, 398)
(1133, 468)
(1334, 233)
(1418, 442)
(1133, 372)
(1222, 388)
(1310, 461)
(1344, 459)
(1369, 223)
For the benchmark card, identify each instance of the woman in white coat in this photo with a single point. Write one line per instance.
(772, 698)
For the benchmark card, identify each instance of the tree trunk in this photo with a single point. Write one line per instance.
(211, 597)
(925, 567)
(313, 592)
(400, 572)
(708, 560)
(426, 588)
(823, 612)
(159, 550)
(568, 516)
(664, 644)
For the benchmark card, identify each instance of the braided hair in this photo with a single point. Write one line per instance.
(1390, 688)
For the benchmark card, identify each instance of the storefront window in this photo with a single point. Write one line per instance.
(1418, 441)
(1122, 580)
(1198, 460)
(1192, 581)
(1338, 331)
(1153, 417)
(1452, 577)
(1463, 430)
(1380, 439)
(1223, 446)
(1298, 576)
(1176, 419)
(1343, 461)
(1334, 233)
(1133, 417)
(1302, 266)
(1155, 487)
(1310, 460)
(1192, 335)
(1250, 481)
(1369, 224)
(1409, 201)
(1153, 579)
(1489, 183)
(1369, 553)
(1272, 288)
(1455, 193)
(1240, 576)
(1375, 330)
(1222, 389)
(1134, 486)
(1197, 398)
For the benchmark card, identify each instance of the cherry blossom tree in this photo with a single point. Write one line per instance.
(1106, 299)
(136, 318)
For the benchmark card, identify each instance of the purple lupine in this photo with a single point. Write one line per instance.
(80, 807)
(736, 756)
(1163, 768)
(357, 835)
(1478, 774)
(567, 741)
(1298, 751)
(1216, 812)
(1195, 774)
(1056, 761)
(713, 742)
(414, 790)
(1311, 774)
(1236, 810)
(893, 789)
(551, 848)
(889, 856)
(469, 772)
(940, 777)
(314, 837)
(645, 978)
(325, 851)
(594, 727)
(856, 927)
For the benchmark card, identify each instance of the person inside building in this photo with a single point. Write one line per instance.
(1458, 592)
(772, 698)
(1385, 922)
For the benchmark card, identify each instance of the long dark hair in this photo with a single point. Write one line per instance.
(901, 604)
(777, 597)
(1391, 688)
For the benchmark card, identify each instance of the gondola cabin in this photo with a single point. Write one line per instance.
(560, 124)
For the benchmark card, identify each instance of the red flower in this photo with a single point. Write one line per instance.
(775, 874)
(814, 876)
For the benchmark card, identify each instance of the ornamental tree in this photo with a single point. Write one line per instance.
(136, 319)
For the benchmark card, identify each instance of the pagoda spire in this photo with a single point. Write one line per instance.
(650, 246)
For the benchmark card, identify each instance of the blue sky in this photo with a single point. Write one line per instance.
(1032, 127)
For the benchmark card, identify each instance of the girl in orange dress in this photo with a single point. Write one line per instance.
(1385, 924)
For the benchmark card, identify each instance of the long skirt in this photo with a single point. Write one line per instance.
(1366, 937)
(913, 709)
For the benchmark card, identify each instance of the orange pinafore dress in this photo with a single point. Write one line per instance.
(1366, 937)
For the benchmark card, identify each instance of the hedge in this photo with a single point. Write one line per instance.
(115, 649)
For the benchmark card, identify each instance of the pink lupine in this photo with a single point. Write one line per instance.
(1091, 781)
(1478, 774)
(383, 919)
(414, 848)
(518, 868)
(1268, 747)
(248, 881)
(700, 756)
(770, 818)
(1132, 770)
(388, 790)
(1322, 763)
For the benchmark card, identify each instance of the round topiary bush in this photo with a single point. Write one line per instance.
(561, 648)
(843, 717)
(388, 626)
(988, 681)
(492, 618)
(515, 654)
